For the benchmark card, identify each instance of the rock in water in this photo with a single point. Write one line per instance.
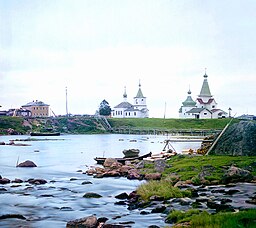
(27, 164)
(238, 139)
(87, 222)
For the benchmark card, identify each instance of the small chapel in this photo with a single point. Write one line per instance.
(127, 110)
(205, 106)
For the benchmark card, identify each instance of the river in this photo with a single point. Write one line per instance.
(60, 161)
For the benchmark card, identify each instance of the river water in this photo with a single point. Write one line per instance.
(60, 162)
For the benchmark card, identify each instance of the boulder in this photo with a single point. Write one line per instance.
(123, 195)
(153, 176)
(238, 139)
(87, 222)
(4, 181)
(109, 162)
(111, 173)
(7, 216)
(133, 174)
(92, 195)
(160, 164)
(16, 180)
(37, 181)
(27, 164)
(235, 174)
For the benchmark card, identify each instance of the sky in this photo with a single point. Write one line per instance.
(95, 48)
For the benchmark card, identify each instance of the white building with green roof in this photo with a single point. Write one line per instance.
(127, 110)
(205, 106)
(187, 105)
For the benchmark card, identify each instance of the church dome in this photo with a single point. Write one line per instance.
(189, 101)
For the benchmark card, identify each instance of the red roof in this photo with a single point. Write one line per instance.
(200, 100)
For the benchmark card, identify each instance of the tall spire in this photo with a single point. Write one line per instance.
(125, 94)
(139, 93)
(205, 90)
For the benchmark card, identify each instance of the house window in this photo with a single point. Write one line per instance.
(213, 106)
(134, 113)
(205, 113)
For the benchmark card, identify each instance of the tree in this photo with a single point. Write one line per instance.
(104, 108)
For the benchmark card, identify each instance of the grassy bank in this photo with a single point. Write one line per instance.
(87, 125)
(242, 219)
(159, 123)
(188, 168)
(14, 123)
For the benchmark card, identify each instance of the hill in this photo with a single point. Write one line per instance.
(93, 124)
(168, 124)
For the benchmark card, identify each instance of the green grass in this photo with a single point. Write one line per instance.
(242, 219)
(14, 123)
(181, 216)
(161, 188)
(159, 123)
(188, 167)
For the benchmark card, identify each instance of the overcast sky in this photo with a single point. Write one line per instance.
(97, 47)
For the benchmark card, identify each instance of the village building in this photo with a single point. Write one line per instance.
(37, 108)
(19, 112)
(205, 106)
(127, 110)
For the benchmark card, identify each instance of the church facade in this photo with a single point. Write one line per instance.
(127, 110)
(205, 106)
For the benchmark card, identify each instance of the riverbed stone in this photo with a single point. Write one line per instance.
(235, 174)
(17, 216)
(123, 195)
(92, 195)
(160, 164)
(4, 181)
(111, 173)
(17, 180)
(86, 222)
(109, 161)
(133, 174)
(153, 176)
(37, 181)
(86, 182)
(27, 164)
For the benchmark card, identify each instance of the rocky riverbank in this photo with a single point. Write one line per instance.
(234, 191)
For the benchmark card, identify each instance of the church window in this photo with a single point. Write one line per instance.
(213, 106)
(134, 113)
(205, 113)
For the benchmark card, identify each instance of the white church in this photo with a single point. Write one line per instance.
(205, 106)
(127, 110)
